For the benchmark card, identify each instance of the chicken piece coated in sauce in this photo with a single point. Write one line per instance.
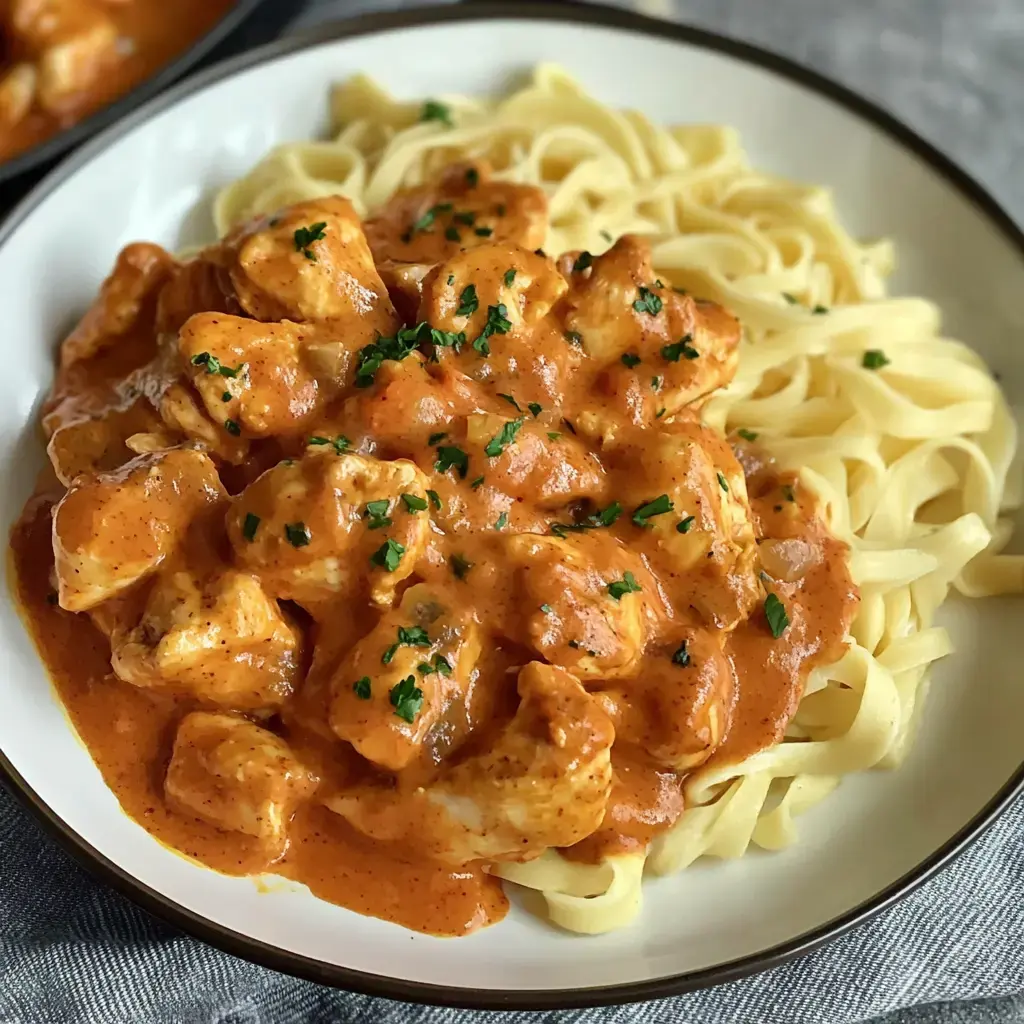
(317, 528)
(587, 602)
(543, 783)
(238, 777)
(211, 633)
(198, 285)
(405, 686)
(252, 373)
(678, 707)
(679, 350)
(462, 209)
(71, 43)
(704, 546)
(310, 261)
(112, 529)
(499, 298)
(126, 300)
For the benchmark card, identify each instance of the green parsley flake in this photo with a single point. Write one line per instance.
(362, 688)
(297, 534)
(305, 237)
(510, 276)
(448, 457)
(630, 359)
(655, 507)
(497, 323)
(553, 435)
(574, 338)
(747, 435)
(502, 521)
(511, 401)
(435, 499)
(535, 408)
(627, 585)
(407, 699)
(648, 302)
(215, 366)
(723, 483)
(468, 301)
(874, 359)
(377, 513)
(435, 111)
(477, 482)
(460, 566)
(546, 609)
(452, 233)
(775, 613)
(681, 657)
(232, 428)
(483, 232)
(502, 440)
(250, 526)
(684, 525)
(682, 347)
(583, 262)
(388, 555)
(436, 438)
(414, 503)
(472, 177)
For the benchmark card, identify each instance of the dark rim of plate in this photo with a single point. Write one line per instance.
(52, 147)
(498, 999)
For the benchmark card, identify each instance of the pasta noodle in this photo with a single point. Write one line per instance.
(902, 433)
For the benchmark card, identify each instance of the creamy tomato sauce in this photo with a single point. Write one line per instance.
(65, 59)
(372, 606)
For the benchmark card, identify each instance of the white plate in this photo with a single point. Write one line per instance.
(152, 176)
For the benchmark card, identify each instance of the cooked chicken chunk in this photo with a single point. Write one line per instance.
(199, 285)
(238, 777)
(543, 783)
(311, 262)
(463, 209)
(127, 299)
(72, 42)
(701, 534)
(409, 678)
(496, 299)
(587, 602)
(18, 86)
(112, 529)
(678, 350)
(213, 635)
(251, 373)
(319, 527)
(678, 708)
(548, 468)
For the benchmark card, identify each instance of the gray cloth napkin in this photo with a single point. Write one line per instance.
(72, 951)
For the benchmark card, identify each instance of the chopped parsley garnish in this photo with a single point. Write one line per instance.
(460, 566)
(682, 347)
(395, 348)
(497, 323)
(426, 220)
(435, 499)
(250, 526)
(546, 609)
(413, 636)
(553, 435)
(510, 276)
(630, 359)
(452, 233)
(605, 517)
(583, 261)
(414, 503)
(723, 483)
(535, 408)
(448, 456)
(747, 435)
(511, 401)
(407, 699)
(660, 413)
(467, 217)
(818, 310)
(655, 507)
(468, 302)
(388, 555)
(436, 438)
(574, 338)
(226, 396)
(477, 482)
(440, 664)
(648, 302)
(681, 656)
(627, 585)
(451, 279)
(434, 111)
(377, 513)
(483, 232)
(655, 383)
(791, 299)
(606, 235)
(608, 515)
(362, 688)
(502, 521)
(568, 425)
(316, 439)
(232, 428)
(214, 365)
(683, 526)
(775, 613)
(297, 534)
(874, 359)
(305, 237)
(503, 439)
(472, 177)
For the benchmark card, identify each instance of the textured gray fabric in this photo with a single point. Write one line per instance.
(71, 951)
